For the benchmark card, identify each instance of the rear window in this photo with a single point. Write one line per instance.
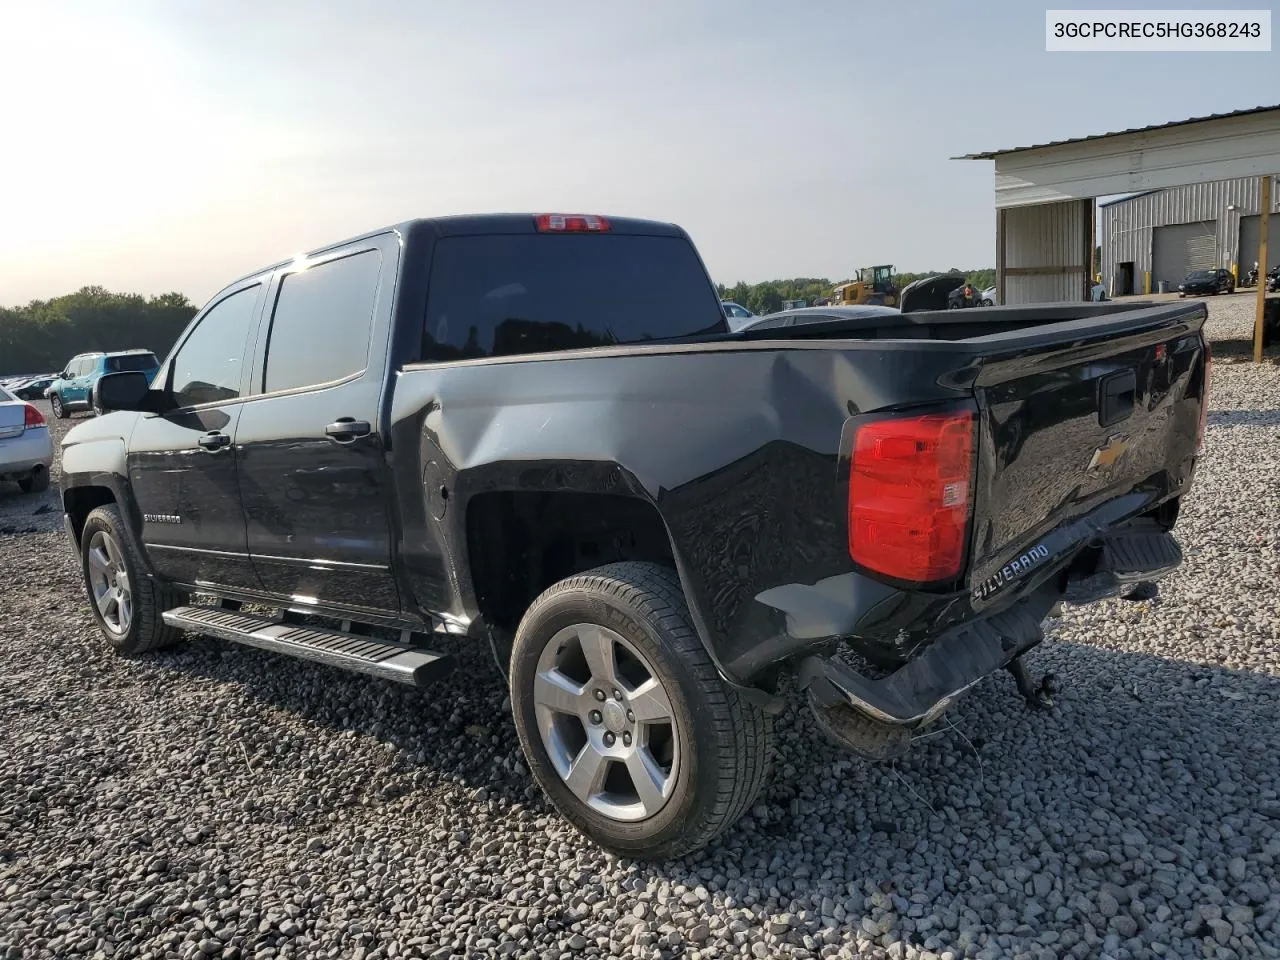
(132, 361)
(6, 396)
(503, 295)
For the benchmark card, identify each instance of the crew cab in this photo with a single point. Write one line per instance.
(452, 431)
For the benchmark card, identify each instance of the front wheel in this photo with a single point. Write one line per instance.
(627, 725)
(126, 603)
(59, 410)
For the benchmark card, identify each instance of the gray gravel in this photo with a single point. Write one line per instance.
(212, 801)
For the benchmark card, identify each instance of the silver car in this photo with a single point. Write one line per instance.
(26, 450)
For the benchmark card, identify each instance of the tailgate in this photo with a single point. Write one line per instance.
(1075, 422)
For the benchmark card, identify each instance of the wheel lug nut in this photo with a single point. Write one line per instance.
(599, 694)
(626, 739)
(617, 694)
(595, 716)
(609, 738)
(631, 716)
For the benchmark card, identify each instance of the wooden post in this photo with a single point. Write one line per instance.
(1263, 227)
(1000, 262)
(1090, 214)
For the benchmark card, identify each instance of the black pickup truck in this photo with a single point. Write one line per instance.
(537, 432)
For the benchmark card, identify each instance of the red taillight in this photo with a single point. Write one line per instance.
(910, 483)
(1204, 396)
(33, 417)
(570, 223)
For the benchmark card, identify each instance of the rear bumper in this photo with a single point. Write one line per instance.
(19, 455)
(920, 690)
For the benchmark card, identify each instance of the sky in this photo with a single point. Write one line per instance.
(157, 146)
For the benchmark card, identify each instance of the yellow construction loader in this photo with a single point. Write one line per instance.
(874, 285)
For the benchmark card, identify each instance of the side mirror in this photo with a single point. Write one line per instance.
(123, 391)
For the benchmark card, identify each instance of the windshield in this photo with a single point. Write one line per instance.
(498, 295)
(1201, 275)
(132, 361)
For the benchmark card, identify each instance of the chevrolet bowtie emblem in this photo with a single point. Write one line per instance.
(1110, 452)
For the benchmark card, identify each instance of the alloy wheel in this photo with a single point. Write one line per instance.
(606, 722)
(109, 581)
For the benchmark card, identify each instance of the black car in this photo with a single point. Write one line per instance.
(1203, 282)
(451, 433)
(32, 389)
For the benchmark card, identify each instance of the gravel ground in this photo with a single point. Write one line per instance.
(212, 801)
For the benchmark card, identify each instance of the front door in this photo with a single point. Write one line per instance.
(77, 387)
(182, 465)
(314, 478)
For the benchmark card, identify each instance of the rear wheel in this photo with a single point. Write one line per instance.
(37, 481)
(626, 722)
(59, 410)
(126, 603)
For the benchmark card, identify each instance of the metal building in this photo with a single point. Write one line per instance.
(1046, 197)
(1159, 236)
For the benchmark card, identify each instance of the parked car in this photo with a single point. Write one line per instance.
(26, 451)
(930, 293)
(33, 389)
(990, 297)
(72, 389)
(453, 428)
(1203, 282)
(738, 315)
(828, 314)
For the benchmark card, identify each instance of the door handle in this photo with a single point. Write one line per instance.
(213, 440)
(345, 430)
(1118, 393)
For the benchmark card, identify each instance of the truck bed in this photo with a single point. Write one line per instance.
(750, 477)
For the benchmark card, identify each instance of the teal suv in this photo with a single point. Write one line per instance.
(73, 388)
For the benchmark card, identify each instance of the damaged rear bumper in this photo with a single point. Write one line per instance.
(920, 690)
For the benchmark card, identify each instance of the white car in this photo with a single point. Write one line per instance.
(26, 450)
(737, 315)
(989, 297)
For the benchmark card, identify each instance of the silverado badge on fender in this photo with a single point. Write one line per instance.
(1109, 453)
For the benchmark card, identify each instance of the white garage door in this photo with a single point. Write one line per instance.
(1250, 230)
(1180, 248)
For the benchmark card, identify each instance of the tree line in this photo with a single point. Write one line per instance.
(768, 296)
(42, 336)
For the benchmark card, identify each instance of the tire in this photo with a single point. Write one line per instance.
(711, 751)
(142, 630)
(59, 411)
(988, 303)
(37, 481)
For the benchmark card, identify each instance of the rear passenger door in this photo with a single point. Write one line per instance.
(313, 474)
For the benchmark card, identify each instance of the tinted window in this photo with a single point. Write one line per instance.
(500, 295)
(320, 328)
(132, 361)
(207, 368)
